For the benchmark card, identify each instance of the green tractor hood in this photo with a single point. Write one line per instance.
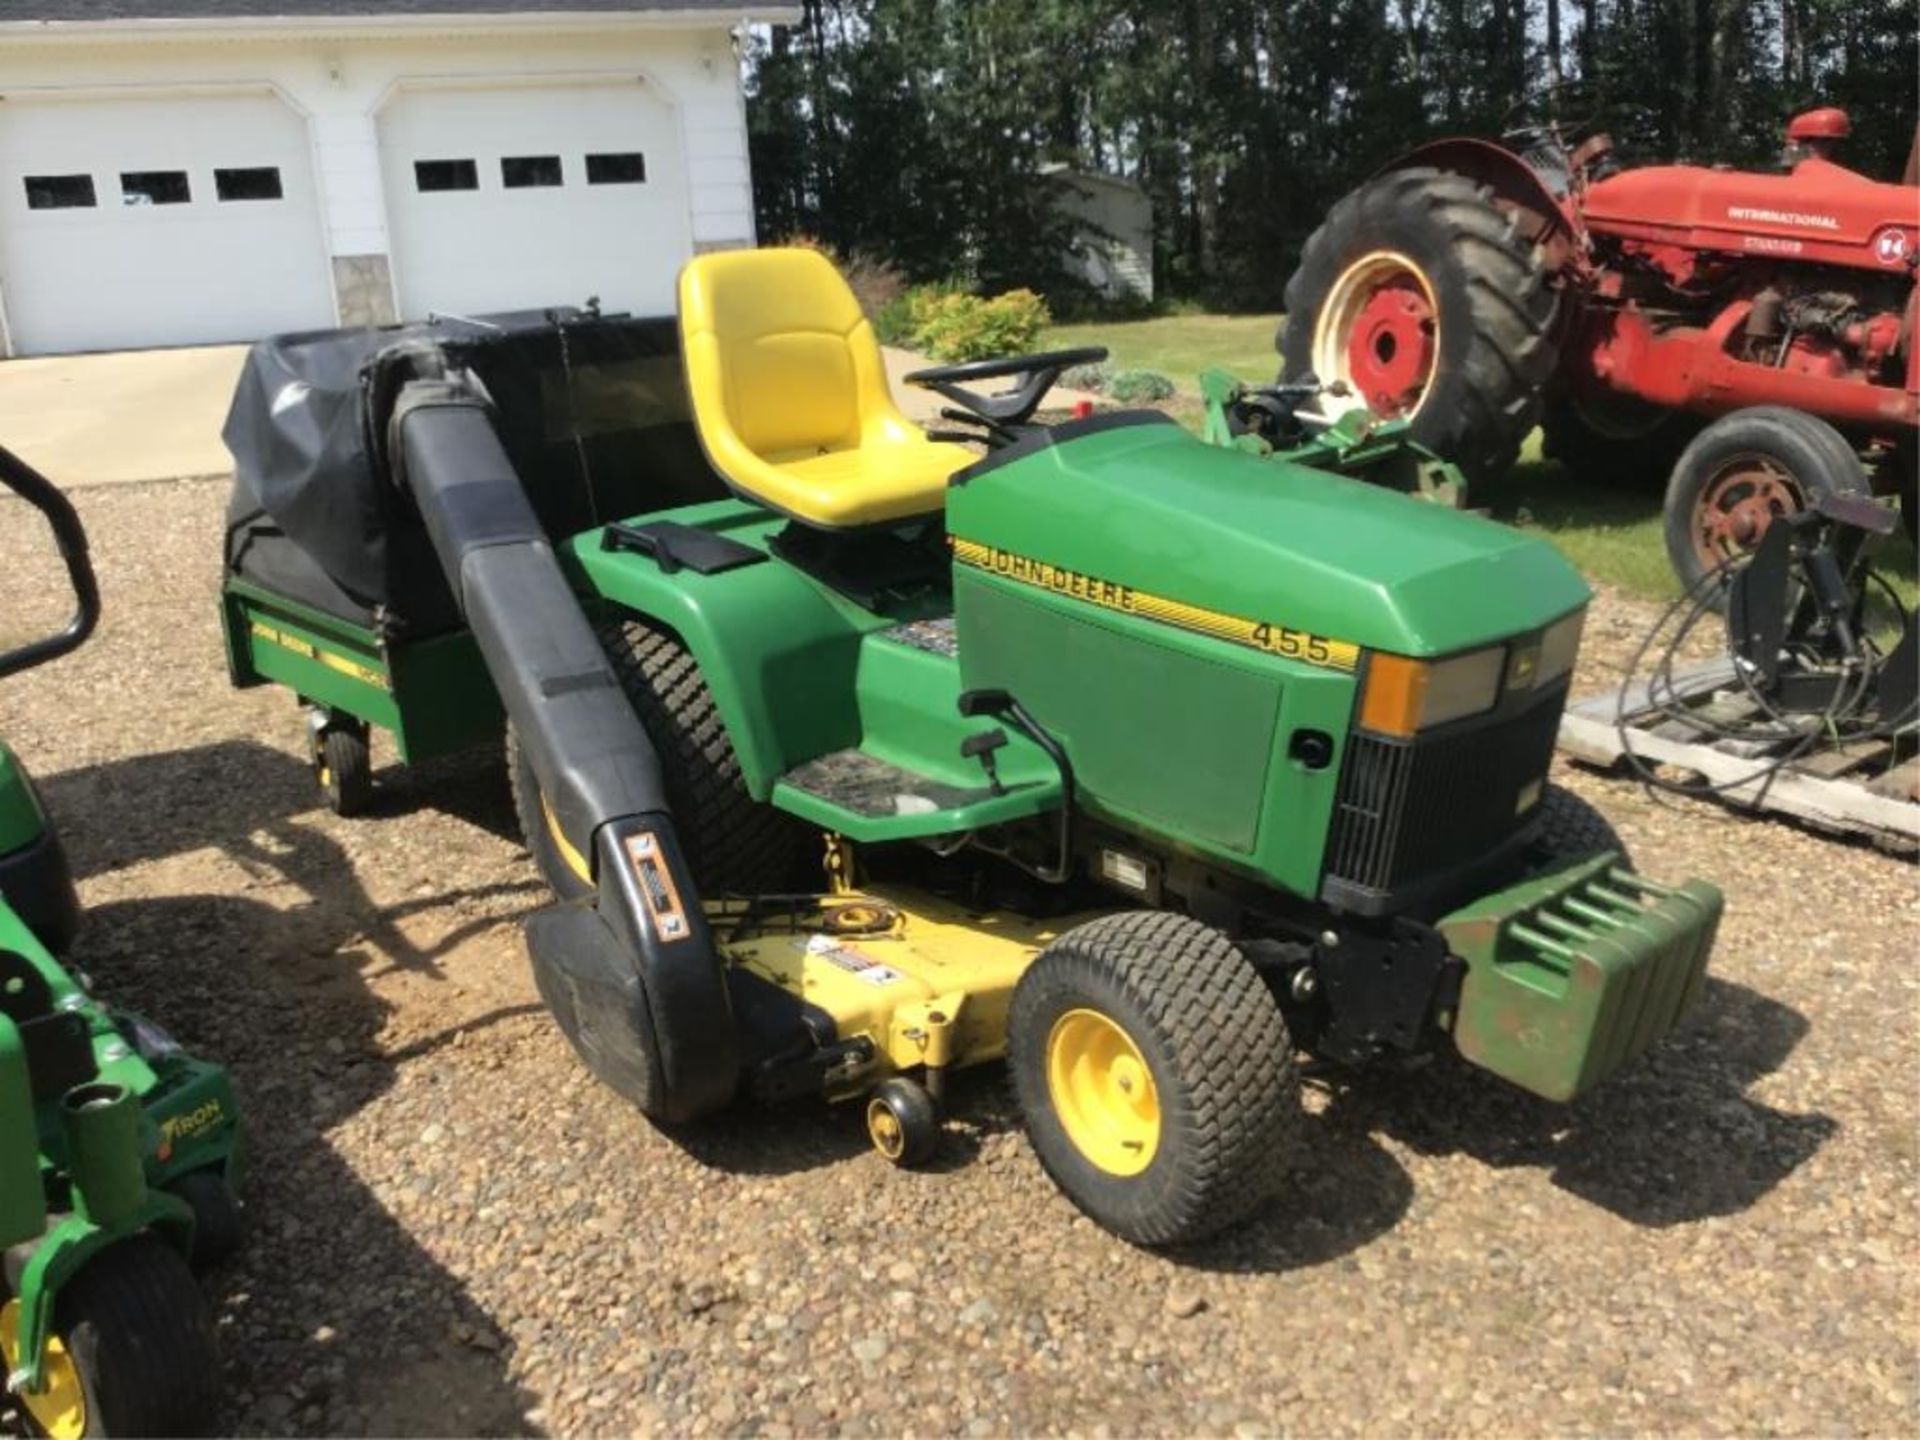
(1135, 501)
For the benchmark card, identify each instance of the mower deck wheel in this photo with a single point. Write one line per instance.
(1155, 1075)
(903, 1121)
(133, 1350)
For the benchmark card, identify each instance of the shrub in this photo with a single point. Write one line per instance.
(953, 326)
(877, 284)
(1133, 387)
(1092, 378)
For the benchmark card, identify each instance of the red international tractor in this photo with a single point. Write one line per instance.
(1481, 288)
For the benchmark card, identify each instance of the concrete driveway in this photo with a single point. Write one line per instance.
(106, 419)
(137, 415)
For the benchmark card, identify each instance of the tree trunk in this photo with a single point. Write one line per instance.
(1554, 72)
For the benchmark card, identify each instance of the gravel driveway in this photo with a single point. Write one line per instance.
(456, 1231)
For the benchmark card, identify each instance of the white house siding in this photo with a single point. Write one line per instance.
(1116, 254)
(339, 77)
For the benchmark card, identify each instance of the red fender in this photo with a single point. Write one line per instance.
(1512, 180)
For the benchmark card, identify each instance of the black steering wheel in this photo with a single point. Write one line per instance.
(1000, 413)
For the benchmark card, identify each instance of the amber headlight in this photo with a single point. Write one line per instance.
(1403, 697)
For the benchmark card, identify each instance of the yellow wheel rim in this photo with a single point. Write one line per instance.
(884, 1129)
(60, 1409)
(1103, 1092)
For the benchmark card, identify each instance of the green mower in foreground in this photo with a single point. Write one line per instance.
(118, 1151)
(856, 754)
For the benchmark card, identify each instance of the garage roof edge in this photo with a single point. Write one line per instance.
(269, 22)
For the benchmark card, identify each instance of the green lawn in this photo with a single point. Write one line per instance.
(1181, 346)
(1613, 534)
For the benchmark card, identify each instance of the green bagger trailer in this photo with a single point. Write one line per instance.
(119, 1152)
(854, 754)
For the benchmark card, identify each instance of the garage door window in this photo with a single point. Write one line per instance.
(527, 172)
(431, 175)
(59, 192)
(625, 167)
(259, 182)
(154, 187)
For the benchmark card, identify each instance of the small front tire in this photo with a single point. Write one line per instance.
(219, 1224)
(1744, 472)
(1155, 1076)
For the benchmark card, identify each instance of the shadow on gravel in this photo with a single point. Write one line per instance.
(1674, 1138)
(334, 1318)
(1343, 1193)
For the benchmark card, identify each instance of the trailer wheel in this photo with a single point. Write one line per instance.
(1419, 294)
(342, 756)
(1155, 1075)
(133, 1349)
(1742, 473)
(1571, 828)
(733, 843)
(1616, 441)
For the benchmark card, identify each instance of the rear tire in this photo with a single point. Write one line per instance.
(1744, 471)
(140, 1336)
(1155, 1076)
(733, 844)
(1489, 290)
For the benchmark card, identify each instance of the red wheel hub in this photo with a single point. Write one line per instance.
(1390, 346)
(1736, 506)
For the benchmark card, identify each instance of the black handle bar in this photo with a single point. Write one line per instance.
(41, 493)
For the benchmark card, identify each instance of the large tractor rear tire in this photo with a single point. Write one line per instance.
(1155, 1076)
(1745, 471)
(1423, 298)
(733, 844)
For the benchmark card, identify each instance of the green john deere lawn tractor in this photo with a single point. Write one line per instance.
(118, 1151)
(856, 754)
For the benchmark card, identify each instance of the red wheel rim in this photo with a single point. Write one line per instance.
(1378, 334)
(1740, 500)
(1390, 347)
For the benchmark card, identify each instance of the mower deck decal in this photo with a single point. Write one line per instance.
(352, 669)
(1264, 636)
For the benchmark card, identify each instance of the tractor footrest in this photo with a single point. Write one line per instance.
(1573, 974)
(861, 796)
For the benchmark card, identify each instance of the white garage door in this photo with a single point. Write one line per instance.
(523, 198)
(157, 222)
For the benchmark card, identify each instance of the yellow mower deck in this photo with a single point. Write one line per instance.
(928, 982)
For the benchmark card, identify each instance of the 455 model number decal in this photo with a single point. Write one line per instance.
(1273, 639)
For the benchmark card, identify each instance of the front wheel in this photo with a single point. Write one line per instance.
(1155, 1076)
(1744, 472)
(1422, 299)
(132, 1351)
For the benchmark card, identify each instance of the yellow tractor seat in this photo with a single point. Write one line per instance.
(790, 395)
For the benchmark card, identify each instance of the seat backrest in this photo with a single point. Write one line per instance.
(779, 354)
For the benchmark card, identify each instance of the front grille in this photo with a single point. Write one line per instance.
(1409, 809)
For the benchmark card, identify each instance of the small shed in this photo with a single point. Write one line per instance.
(1113, 246)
